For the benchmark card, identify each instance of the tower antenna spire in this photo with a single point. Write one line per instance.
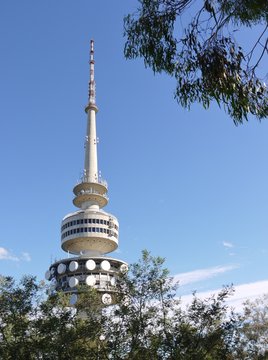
(92, 84)
(91, 159)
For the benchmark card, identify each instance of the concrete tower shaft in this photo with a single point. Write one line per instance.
(91, 192)
(91, 158)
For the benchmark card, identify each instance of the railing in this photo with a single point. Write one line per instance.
(85, 179)
(92, 191)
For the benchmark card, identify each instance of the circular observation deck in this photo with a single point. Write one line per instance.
(91, 192)
(94, 231)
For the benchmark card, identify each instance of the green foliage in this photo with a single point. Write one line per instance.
(33, 326)
(145, 298)
(146, 322)
(254, 329)
(205, 59)
(16, 310)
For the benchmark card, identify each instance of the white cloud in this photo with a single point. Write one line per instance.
(6, 254)
(227, 244)
(248, 291)
(25, 256)
(202, 274)
(242, 293)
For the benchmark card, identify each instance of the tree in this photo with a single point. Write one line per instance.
(205, 57)
(207, 330)
(145, 297)
(254, 330)
(146, 321)
(34, 326)
(16, 310)
(150, 323)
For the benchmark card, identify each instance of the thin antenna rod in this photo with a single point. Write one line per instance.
(92, 84)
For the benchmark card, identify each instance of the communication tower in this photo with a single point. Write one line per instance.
(89, 233)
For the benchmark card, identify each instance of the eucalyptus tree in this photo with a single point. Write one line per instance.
(146, 321)
(253, 342)
(206, 56)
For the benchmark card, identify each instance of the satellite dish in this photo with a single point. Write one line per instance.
(61, 268)
(124, 268)
(90, 280)
(90, 264)
(113, 281)
(52, 270)
(73, 299)
(106, 299)
(73, 265)
(105, 265)
(73, 281)
(47, 275)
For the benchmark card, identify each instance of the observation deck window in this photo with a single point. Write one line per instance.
(90, 229)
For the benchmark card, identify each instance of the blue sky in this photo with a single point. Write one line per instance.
(186, 185)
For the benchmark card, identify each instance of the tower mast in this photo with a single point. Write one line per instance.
(91, 157)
